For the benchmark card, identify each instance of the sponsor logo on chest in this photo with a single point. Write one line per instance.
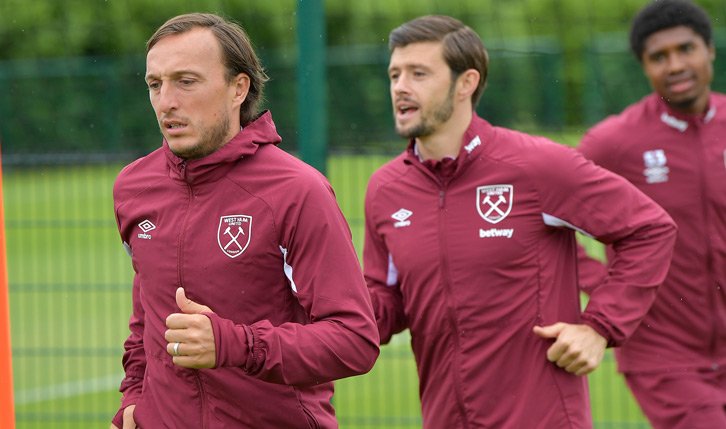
(494, 203)
(233, 234)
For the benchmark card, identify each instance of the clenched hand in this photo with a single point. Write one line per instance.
(193, 331)
(578, 349)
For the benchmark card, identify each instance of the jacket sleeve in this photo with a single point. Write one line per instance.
(134, 359)
(605, 206)
(590, 271)
(381, 277)
(340, 338)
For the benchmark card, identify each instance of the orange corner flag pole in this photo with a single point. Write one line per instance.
(7, 407)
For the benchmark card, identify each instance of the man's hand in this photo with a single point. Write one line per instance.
(129, 422)
(577, 348)
(193, 333)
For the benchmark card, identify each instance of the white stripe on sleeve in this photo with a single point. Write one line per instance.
(392, 272)
(288, 269)
(559, 223)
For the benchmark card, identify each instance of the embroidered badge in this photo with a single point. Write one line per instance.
(233, 234)
(656, 170)
(494, 202)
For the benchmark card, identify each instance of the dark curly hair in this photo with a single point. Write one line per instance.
(664, 14)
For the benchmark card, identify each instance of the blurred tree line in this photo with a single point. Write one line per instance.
(71, 72)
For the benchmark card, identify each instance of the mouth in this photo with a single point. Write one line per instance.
(174, 127)
(405, 109)
(681, 85)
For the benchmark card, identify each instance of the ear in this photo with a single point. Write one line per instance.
(241, 84)
(711, 52)
(467, 83)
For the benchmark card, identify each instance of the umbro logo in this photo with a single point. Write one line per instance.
(401, 216)
(146, 226)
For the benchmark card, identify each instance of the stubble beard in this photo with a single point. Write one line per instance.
(212, 138)
(428, 126)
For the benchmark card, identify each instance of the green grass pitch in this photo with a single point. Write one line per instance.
(70, 302)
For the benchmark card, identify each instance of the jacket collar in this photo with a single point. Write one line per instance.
(475, 137)
(682, 121)
(212, 167)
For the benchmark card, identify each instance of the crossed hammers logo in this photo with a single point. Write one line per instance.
(234, 237)
(494, 206)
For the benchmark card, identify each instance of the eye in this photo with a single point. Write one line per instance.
(154, 85)
(657, 57)
(186, 82)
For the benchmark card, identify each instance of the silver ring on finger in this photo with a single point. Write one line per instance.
(176, 349)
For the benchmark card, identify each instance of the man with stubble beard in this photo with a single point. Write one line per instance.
(470, 244)
(248, 298)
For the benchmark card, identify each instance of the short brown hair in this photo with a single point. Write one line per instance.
(238, 54)
(463, 49)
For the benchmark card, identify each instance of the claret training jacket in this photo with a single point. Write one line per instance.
(472, 254)
(257, 236)
(680, 161)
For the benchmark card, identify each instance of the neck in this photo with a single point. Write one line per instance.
(448, 138)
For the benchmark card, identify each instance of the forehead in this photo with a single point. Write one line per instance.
(671, 37)
(195, 48)
(428, 54)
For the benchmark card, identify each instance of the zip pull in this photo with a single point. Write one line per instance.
(441, 199)
(183, 170)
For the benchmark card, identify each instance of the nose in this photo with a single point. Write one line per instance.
(400, 85)
(166, 99)
(676, 63)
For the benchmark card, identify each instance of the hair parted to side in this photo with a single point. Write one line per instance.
(238, 54)
(664, 14)
(463, 49)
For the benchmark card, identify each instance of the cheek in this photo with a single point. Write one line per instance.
(655, 75)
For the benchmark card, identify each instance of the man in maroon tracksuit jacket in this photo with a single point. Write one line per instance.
(672, 146)
(248, 298)
(470, 244)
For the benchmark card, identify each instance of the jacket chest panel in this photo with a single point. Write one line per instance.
(218, 248)
(673, 168)
(477, 231)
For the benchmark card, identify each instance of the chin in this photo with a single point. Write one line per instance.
(186, 152)
(684, 103)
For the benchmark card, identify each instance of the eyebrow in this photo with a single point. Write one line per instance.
(177, 73)
(410, 66)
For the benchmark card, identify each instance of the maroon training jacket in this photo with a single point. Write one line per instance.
(471, 263)
(256, 235)
(679, 161)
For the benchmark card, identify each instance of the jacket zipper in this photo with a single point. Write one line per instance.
(203, 396)
(452, 313)
(180, 279)
(180, 241)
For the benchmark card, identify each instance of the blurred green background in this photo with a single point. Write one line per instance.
(74, 109)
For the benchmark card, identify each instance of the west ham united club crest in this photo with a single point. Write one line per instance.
(494, 202)
(233, 234)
